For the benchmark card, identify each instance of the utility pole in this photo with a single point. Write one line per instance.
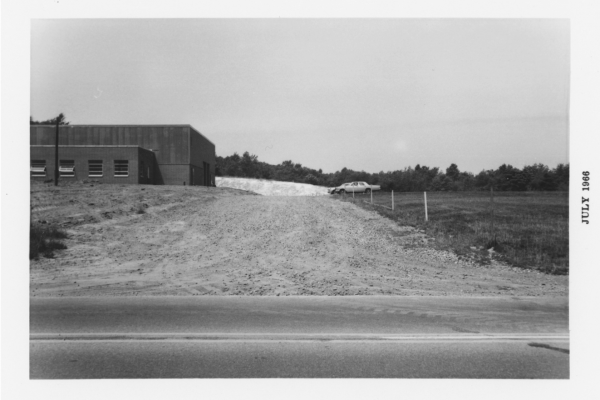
(56, 154)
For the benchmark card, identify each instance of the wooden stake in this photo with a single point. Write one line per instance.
(425, 197)
(492, 201)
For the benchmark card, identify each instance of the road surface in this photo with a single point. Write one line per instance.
(300, 337)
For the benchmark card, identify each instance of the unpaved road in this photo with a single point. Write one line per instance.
(219, 241)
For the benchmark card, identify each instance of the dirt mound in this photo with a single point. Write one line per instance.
(272, 188)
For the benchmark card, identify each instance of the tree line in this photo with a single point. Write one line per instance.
(535, 177)
(61, 120)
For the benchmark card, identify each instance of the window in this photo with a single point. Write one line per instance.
(95, 169)
(38, 167)
(121, 168)
(67, 168)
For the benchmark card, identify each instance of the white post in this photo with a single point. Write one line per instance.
(353, 195)
(371, 196)
(392, 200)
(425, 196)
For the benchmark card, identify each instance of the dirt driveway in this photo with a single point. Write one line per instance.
(218, 241)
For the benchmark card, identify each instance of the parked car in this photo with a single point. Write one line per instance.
(354, 187)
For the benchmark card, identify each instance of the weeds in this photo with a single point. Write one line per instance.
(44, 240)
(141, 208)
(528, 230)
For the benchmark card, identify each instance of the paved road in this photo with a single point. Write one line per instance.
(183, 337)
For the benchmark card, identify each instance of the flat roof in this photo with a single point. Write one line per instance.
(89, 145)
(116, 125)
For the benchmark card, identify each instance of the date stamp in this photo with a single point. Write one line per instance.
(585, 208)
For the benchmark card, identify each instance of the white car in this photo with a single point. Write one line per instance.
(354, 187)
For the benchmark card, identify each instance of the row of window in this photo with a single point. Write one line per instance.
(66, 168)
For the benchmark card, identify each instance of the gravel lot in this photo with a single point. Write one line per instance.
(218, 241)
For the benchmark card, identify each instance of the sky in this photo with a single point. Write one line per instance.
(366, 94)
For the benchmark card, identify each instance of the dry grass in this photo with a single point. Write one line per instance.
(528, 229)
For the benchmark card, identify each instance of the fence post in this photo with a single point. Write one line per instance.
(492, 201)
(392, 200)
(353, 195)
(371, 196)
(425, 197)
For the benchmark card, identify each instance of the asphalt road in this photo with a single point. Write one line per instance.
(302, 337)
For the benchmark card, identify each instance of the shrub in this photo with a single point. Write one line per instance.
(44, 240)
(141, 208)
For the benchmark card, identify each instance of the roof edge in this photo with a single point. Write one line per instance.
(116, 125)
(199, 133)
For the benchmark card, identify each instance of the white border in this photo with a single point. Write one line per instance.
(585, 92)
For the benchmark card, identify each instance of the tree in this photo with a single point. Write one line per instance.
(61, 120)
(561, 173)
(452, 172)
(466, 182)
(509, 178)
(536, 176)
(311, 179)
(419, 178)
(248, 164)
(484, 180)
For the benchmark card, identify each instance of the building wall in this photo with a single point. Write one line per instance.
(181, 153)
(174, 174)
(81, 155)
(169, 143)
(202, 152)
(147, 168)
(197, 174)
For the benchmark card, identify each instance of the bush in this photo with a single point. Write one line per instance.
(44, 240)
(141, 208)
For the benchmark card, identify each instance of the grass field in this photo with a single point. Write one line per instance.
(528, 229)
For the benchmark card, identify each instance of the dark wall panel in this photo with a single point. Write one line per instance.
(147, 162)
(202, 151)
(197, 174)
(175, 174)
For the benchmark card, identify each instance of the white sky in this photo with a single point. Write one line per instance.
(367, 94)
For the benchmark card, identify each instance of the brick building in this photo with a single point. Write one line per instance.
(147, 154)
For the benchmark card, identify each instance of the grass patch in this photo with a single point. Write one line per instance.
(43, 240)
(525, 229)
